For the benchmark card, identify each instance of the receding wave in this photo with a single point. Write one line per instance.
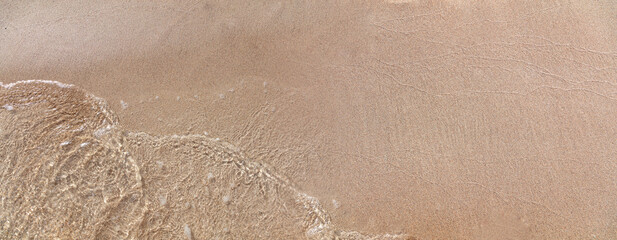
(69, 170)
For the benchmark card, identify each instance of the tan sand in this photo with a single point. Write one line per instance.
(436, 119)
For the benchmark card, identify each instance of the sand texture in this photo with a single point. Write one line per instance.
(308, 119)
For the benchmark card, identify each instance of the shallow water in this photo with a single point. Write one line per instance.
(69, 170)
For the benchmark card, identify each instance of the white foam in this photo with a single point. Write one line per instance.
(335, 204)
(221, 96)
(124, 104)
(226, 199)
(59, 84)
(65, 143)
(315, 230)
(8, 107)
(102, 131)
(81, 128)
(210, 176)
(162, 200)
(84, 144)
(187, 231)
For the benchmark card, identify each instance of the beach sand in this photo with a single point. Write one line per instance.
(409, 119)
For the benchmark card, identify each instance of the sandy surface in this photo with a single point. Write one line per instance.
(438, 119)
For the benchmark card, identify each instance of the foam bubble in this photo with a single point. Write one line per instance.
(226, 199)
(187, 231)
(162, 200)
(102, 131)
(335, 204)
(59, 84)
(124, 104)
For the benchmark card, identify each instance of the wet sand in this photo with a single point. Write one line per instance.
(437, 119)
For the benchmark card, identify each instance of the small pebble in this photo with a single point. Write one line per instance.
(221, 96)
